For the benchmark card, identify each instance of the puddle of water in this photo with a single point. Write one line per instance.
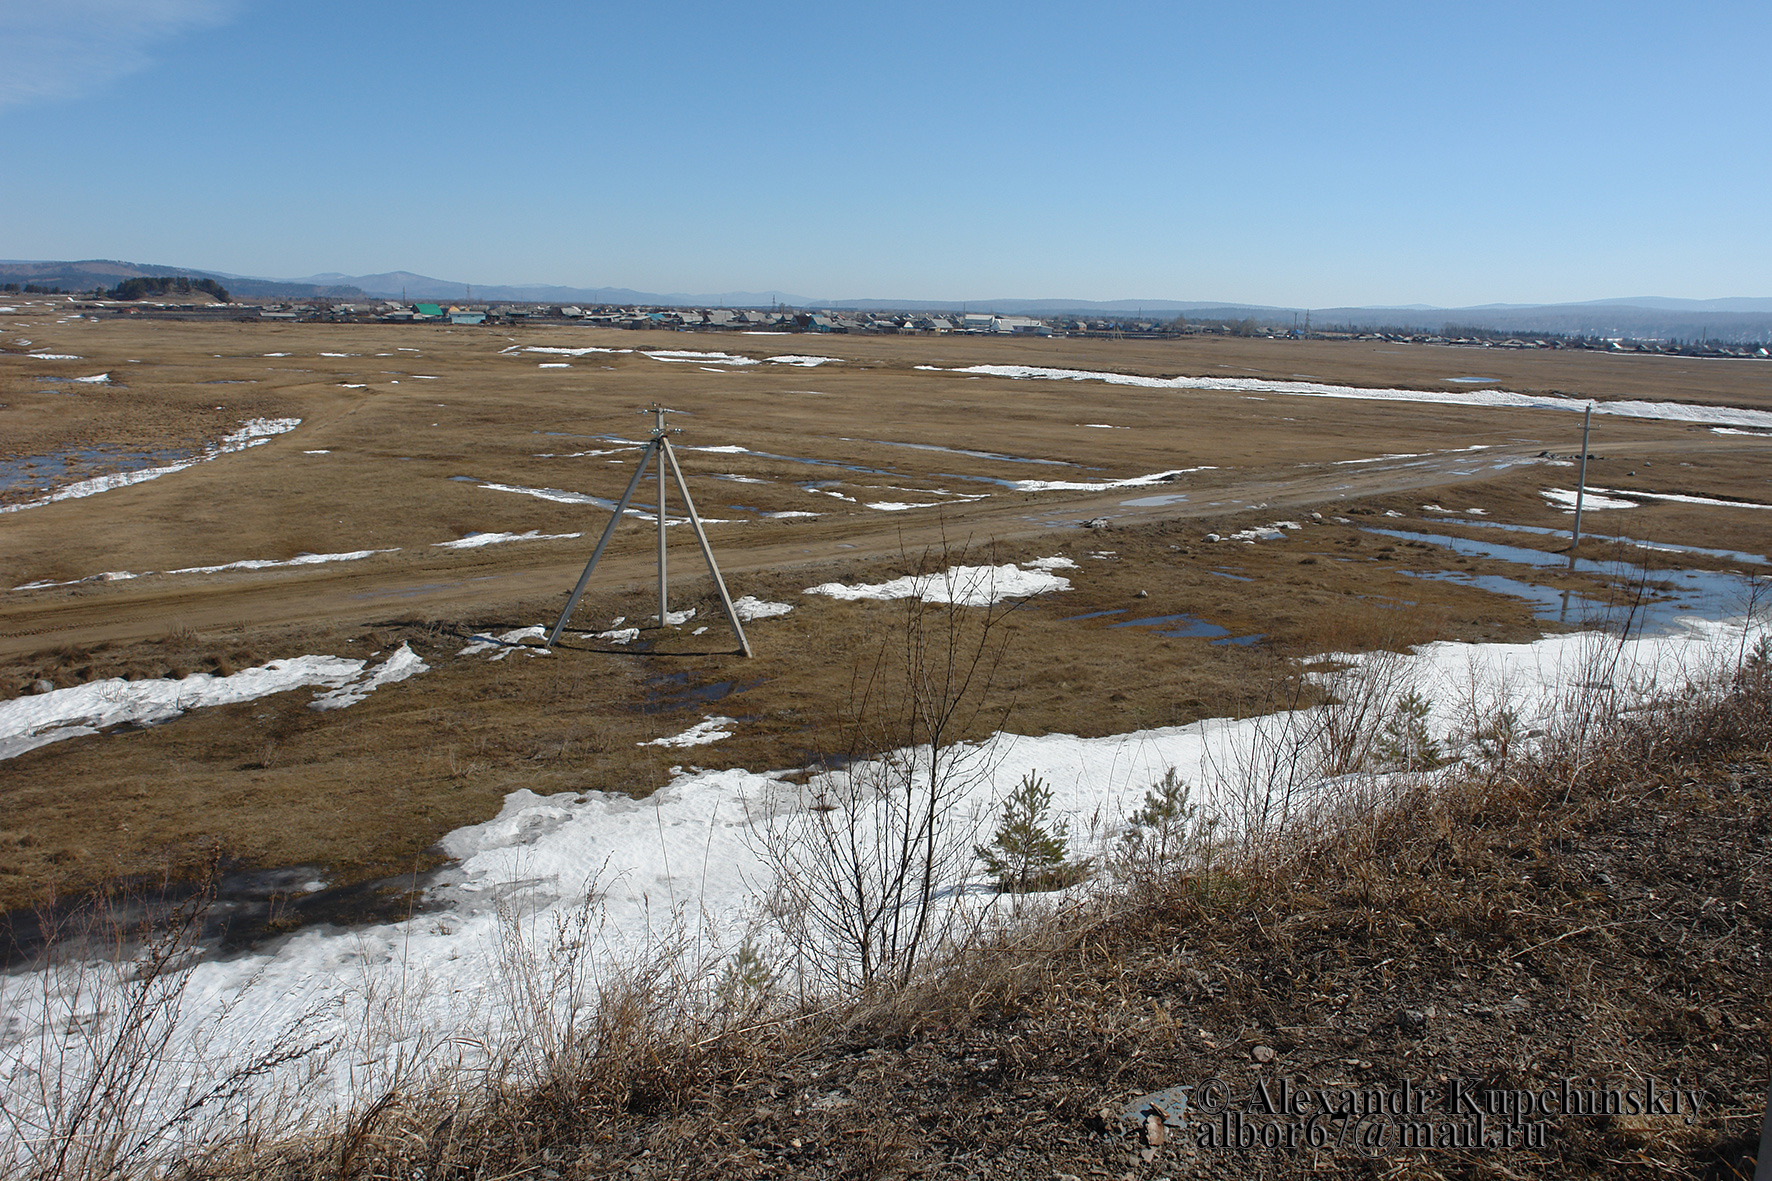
(1192, 627)
(672, 691)
(1238, 641)
(1154, 501)
(1730, 555)
(1673, 594)
(1093, 615)
(1548, 603)
(1232, 577)
(40, 473)
(1474, 380)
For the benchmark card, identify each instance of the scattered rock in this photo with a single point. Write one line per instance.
(1097, 523)
(1263, 1054)
(1143, 594)
(42, 685)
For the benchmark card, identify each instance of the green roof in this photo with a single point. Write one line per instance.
(427, 309)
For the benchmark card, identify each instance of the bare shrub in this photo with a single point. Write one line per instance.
(864, 864)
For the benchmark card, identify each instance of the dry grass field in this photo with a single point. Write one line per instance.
(404, 427)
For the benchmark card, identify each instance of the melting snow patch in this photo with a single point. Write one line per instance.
(1100, 485)
(1668, 411)
(401, 665)
(684, 355)
(563, 352)
(1264, 533)
(476, 540)
(95, 379)
(55, 357)
(620, 635)
(967, 586)
(504, 644)
(248, 564)
(897, 506)
(700, 734)
(1564, 498)
(555, 365)
(750, 607)
(789, 515)
(804, 362)
(29, 722)
(1678, 498)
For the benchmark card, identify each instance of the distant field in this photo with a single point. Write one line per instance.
(414, 436)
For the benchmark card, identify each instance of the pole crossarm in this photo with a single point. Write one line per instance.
(657, 451)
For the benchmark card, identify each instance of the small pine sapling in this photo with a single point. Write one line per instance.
(1405, 744)
(1029, 849)
(1163, 829)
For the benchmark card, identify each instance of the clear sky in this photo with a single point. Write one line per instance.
(1282, 153)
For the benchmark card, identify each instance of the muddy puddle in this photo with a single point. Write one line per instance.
(35, 474)
(1180, 626)
(250, 908)
(670, 692)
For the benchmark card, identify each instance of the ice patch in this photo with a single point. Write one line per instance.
(700, 734)
(966, 586)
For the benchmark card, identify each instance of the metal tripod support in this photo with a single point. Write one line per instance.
(658, 451)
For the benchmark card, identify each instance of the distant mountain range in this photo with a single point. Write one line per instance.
(105, 272)
(1642, 317)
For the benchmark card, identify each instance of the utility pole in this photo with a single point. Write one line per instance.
(658, 451)
(1581, 481)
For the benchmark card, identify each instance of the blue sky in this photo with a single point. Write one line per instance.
(1291, 154)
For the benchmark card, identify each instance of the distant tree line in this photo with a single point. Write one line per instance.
(33, 289)
(183, 284)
